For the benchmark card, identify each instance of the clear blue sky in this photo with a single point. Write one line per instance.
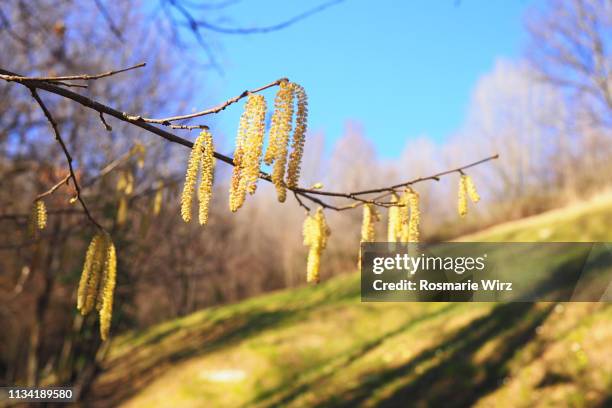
(404, 69)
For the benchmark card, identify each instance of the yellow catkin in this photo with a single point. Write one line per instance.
(206, 178)
(91, 274)
(191, 177)
(254, 143)
(96, 276)
(121, 182)
(237, 196)
(368, 231)
(280, 123)
(108, 287)
(299, 134)
(122, 210)
(38, 217)
(370, 217)
(316, 232)
(462, 204)
(471, 189)
(279, 137)
(157, 201)
(394, 221)
(125, 187)
(247, 156)
(41, 214)
(403, 229)
(125, 183)
(139, 151)
(313, 265)
(129, 186)
(98, 279)
(415, 217)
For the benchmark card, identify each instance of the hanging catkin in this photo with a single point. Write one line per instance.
(415, 216)
(404, 217)
(139, 151)
(92, 267)
(462, 204)
(315, 231)
(191, 178)
(97, 281)
(125, 187)
(237, 196)
(394, 222)
(370, 216)
(122, 210)
(254, 143)
(471, 189)
(206, 177)
(107, 288)
(280, 129)
(299, 134)
(368, 231)
(38, 217)
(201, 160)
(41, 214)
(157, 201)
(247, 156)
(125, 183)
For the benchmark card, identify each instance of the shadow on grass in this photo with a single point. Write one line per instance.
(337, 364)
(454, 380)
(135, 370)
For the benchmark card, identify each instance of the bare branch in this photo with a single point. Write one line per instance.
(308, 194)
(54, 188)
(216, 109)
(109, 20)
(253, 30)
(84, 77)
(59, 139)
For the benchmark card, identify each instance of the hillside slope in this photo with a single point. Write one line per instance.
(319, 346)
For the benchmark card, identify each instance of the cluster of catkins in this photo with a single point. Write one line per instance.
(404, 218)
(201, 160)
(97, 282)
(316, 232)
(466, 189)
(290, 98)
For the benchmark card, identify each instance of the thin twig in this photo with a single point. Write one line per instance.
(84, 77)
(300, 202)
(54, 188)
(109, 20)
(107, 127)
(59, 139)
(216, 109)
(193, 23)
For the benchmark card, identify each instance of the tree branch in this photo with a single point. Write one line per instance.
(54, 188)
(59, 139)
(216, 109)
(308, 194)
(84, 77)
(192, 22)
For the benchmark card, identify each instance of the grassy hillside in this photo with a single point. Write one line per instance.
(319, 346)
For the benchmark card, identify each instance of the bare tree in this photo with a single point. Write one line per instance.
(571, 47)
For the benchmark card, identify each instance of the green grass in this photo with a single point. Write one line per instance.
(320, 346)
